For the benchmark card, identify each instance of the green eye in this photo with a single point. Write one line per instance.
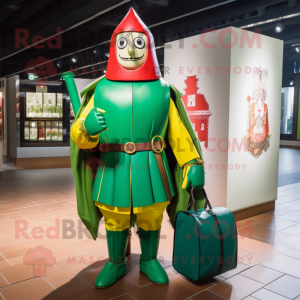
(122, 43)
(139, 43)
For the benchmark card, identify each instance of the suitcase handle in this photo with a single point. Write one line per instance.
(207, 205)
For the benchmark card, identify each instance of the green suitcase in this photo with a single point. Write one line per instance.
(205, 241)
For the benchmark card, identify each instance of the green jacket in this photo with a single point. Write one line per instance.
(88, 212)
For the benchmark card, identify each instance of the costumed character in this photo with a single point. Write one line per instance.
(134, 121)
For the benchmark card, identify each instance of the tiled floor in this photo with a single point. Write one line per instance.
(38, 219)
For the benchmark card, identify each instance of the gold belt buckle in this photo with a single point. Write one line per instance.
(125, 148)
(162, 144)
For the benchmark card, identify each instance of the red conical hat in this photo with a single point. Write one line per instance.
(149, 70)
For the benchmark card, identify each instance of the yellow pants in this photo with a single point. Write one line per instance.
(147, 220)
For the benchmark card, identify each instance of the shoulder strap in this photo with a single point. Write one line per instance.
(192, 202)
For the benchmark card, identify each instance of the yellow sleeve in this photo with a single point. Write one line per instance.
(180, 139)
(78, 132)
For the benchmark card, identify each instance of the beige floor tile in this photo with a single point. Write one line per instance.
(3, 264)
(286, 286)
(3, 281)
(83, 242)
(20, 272)
(236, 287)
(34, 212)
(16, 260)
(292, 253)
(291, 240)
(19, 249)
(178, 288)
(66, 273)
(297, 247)
(284, 264)
(288, 198)
(70, 289)
(92, 260)
(33, 289)
(91, 247)
(264, 294)
(262, 233)
(254, 259)
(294, 230)
(245, 223)
(242, 238)
(277, 224)
(294, 216)
(280, 211)
(125, 297)
(4, 242)
(66, 282)
(263, 217)
(61, 250)
(96, 294)
(238, 269)
(122, 286)
(261, 274)
(243, 252)
(264, 247)
(207, 295)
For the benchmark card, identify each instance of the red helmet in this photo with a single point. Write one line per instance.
(149, 70)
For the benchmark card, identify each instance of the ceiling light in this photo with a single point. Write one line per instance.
(278, 28)
(297, 49)
(292, 82)
(96, 51)
(74, 59)
(271, 20)
(59, 64)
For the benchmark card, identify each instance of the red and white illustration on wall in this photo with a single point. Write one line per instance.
(258, 136)
(197, 108)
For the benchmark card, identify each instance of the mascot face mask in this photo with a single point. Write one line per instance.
(132, 55)
(132, 49)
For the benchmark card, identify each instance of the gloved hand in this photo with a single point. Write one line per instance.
(95, 122)
(193, 175)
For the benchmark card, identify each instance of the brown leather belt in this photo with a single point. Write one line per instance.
(130, 148)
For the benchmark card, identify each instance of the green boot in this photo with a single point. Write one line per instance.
(116, 266)
(149, 264)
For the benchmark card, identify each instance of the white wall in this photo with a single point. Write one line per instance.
(184, 62)
(245, 181)
(258, 183)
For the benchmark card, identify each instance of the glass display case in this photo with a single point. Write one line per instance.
(41, 130)
(33, 131)
(44, 114)
(48, 131)
(287, 106)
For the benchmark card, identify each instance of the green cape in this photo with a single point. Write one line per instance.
(88, 212)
